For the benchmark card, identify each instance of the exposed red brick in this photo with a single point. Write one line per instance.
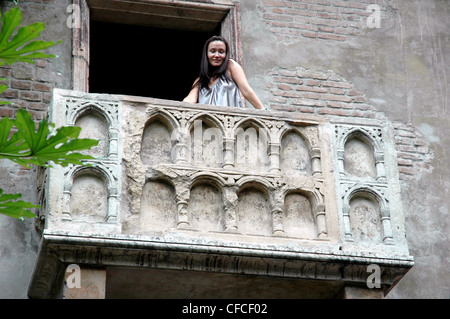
(30, 96)
(6, 111)
(309, 34)
(311, 89)
(334, 20)
(284, 87)
(42, 87)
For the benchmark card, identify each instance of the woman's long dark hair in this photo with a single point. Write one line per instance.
(208, 72)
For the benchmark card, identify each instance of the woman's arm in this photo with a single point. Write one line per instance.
(238, 75)
(193, 94)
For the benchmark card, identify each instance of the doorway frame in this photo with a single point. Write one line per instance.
(225, 12)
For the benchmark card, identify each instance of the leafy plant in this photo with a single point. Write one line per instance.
(17, 209)
(19, 140)
(27, 147)
(3, 88)
(19, 48)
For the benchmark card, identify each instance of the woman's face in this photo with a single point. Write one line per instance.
(217, 52)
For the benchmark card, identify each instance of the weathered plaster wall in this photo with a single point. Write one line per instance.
(18, 239)
(30, 87)
(319, 57)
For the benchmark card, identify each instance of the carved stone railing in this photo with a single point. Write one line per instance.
(270, 193)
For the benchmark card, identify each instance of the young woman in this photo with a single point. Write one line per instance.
(221, 80)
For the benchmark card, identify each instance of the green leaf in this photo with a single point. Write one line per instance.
(13, 146)
(15, 208)
(2, 89)
(28, 147)
(11, 20)
(44, 147)
(19, 48)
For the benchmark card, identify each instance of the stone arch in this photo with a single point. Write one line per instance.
(158, 206)
(359, 155)
(299, 219)
(366, 216)
(163, 116)
(365, 134)
(251, 145)
(295, 152)
(157, 141)
(288, 129)
(88, 196)
(253, 211)
(368, 143)
(90, 107)
(258, 182)
(210, 119)
(206, 141)
(104, 177)
(94, 125)
(205, 208)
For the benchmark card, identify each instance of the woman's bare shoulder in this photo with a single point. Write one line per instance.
(233, 65)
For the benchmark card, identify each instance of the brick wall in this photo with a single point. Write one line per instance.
(335, 20)
(413, 151)
(316, 92)
(30, 85)
(328, 94)
(28, 88)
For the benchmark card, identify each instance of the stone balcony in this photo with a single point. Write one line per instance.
(253, 199)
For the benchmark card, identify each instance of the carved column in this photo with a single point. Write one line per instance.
(230, 200)
(113, 142)
(181, 137)
(346, 220)
(179, 152)
(314, 153)
(379, 162)
(197, 143)
(228, 152)
(277, 220)
(340, 157)
(274, 155)
(112, 205)
(277, 213)
(321, 221)
(229, 140)
(67, 194)
(182, 199)
(274, 135)
(387, 228)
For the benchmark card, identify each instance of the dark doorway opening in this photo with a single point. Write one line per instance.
(144, 61)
